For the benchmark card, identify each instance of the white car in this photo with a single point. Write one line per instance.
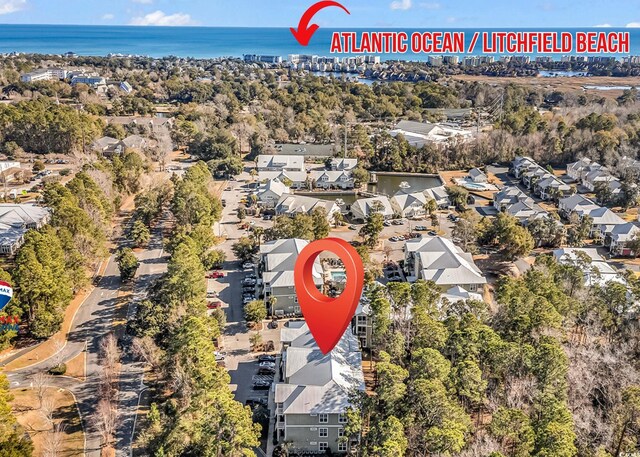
(247, 265)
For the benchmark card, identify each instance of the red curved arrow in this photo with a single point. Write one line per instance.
(306, 31)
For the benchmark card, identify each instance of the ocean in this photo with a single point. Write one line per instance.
(199, 42)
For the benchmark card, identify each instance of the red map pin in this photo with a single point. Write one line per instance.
(328, 317)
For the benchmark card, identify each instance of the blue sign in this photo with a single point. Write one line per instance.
(6, 293)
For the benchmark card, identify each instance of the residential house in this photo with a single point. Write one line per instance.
(520, 165)
(276, 264)
(596, 269)
(593, 167)
(628, 163)
(619, 237)
(574, 170)
(280, 163)
(457, 294)
(296, 179)
(437, 259)
(329, 179)
(135, 142)
(299, 204)
(548, 187)
(476, 175)
(361, 208)
(338, 164)
(409, 205)
(592, 179)
(575, 203)
(604, 221)
(420, 133)
(314, 391)
(440, 195)
(108, 146)
(534, 174)
(508, 196)
(15, 221)
(270, 193)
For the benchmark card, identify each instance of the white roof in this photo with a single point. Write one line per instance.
(293, 204)
(21, 215)
(604, 216)
(624, 232)
(405, 200)
(293, 176)
(437, 193)
(510, 195)
(344, 164)
(279, 259)
(332, 175)
(576, 200)
(363, 206)
(443, 262)
(290, 162)
(457, 293)
(318, 383)
(581, 163)
(599, 272)
(273, 186)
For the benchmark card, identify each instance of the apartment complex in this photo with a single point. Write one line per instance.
(15, 221)
(276, 263)
(313, 394)
(437, 259)
(280, 163)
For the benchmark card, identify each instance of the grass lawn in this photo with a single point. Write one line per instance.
(29, 415)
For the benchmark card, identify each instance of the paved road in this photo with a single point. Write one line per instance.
(92, 322)
(153, 263)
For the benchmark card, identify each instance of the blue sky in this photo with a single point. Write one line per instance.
(285, 13)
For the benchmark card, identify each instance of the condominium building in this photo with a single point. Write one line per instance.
(276, 264)
(313, 395)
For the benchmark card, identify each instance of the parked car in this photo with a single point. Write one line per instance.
(267, 364)
(215, 275)
(431, 233)
(267, 217)
(266, 358)
(397, 222)
(248, 282)
(261, 385)
(386, 224)
(247, 265)
(253, 402)
(250, 276)
(266, 370)
(215, 304)
(219, 356)
(212, 294)
(421, 228)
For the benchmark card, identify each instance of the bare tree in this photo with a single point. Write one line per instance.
(105, 421)
(52, 444)
(146, 350)
(40, 382)
(47, 409)
(58, 356)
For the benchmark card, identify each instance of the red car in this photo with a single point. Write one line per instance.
(214, 304)
(215, 275)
